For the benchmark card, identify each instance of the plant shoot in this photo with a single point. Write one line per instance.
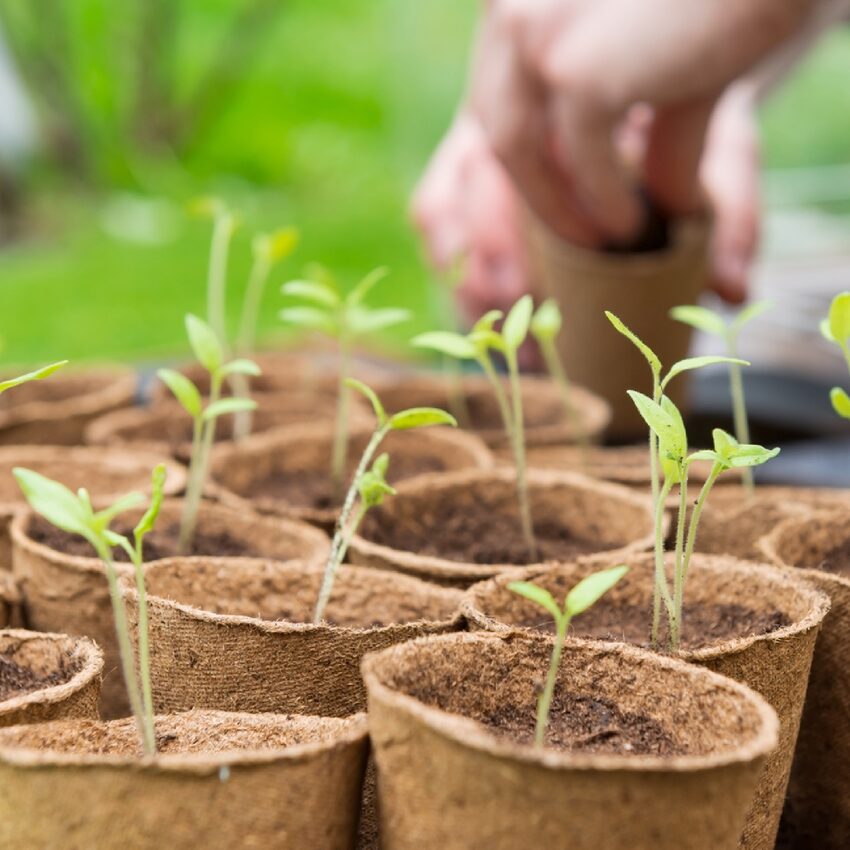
(835, 328)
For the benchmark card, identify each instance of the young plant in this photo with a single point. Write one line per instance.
(37, 375)
(477, 345)
(344, 318)
(665, 421)
(74, 513)
(585, 594)
(209, 352)
(713, 323)
(371, 486)
(835, 328)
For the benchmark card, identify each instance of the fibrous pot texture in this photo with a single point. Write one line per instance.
(750, 622)
(459, 528)
(47, 677)
(10, 600)
(643, 751)
(220, 781)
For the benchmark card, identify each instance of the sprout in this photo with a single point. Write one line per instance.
(370, 485)
(37, 375)
(585, 594)
(476, 345)
(210, 354)
(345, 319)
(836, 329)
(713, 323)
(665, 422)
(73, 512)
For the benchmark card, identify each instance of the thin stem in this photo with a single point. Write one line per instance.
(217, 276)
(457, 397)
(678, 575)
(544, 703)
(556, 370)
(661, 592)
(243, 420)
(144, 646)
(739, 410)
(338, 557)
(247, 335)
(695, 518)
(339, 453)
(655, 484)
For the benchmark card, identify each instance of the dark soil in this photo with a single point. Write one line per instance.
(17, 681)
(160, 543)
(837, 560)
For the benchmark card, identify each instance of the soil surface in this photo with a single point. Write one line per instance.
(17, 681)
(484, 414)
(837, 560)
(160, 543)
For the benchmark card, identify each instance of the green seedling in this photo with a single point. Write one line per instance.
(37, 375)
(585, 594)
(73, 512)
(344, 318)
(209, 352)
(713, 323)
(835, 328)
(371, 485)
(477, 345)
(665, 421)
(659, 385)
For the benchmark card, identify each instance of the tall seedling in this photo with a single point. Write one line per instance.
(344, 318)
(370, 485)
(209, 352)
(73, 512)
(713, 323)
(585, 594)
(835, 328)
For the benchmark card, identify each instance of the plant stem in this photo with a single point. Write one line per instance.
(716, 469)
(661, 592)
(739, 409)
(247, 334)
(556, 370)
(544, 703)
(340, 541)
(144, 647)
(339, 554)
(457, 397)
(243, 420)
(655, 485)
(678, 575)
(339, 453)
(217, 276)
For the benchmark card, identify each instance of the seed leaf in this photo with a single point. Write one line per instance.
(749, 313)
(700, 318)
(539, 595)
(240, 366)
(37, 375)
(421, 417)
(54, 501)
(276, 246)
(659, 420)
(364, 320)
(373, 487)
(680, 443)
(310, 290)
(205, 344)
(380, 413)
(546, 322)
(183, 389)
(645, 350)
(148, 519)
(228, 405)
(592, 588)
(752, 455)
(840, 402)
(446, 342)
(488, 320)
(690, 363)
(517, 323)
(363, 288)
(309, 318)
(704, 454)
(839, 318)
(102, 519)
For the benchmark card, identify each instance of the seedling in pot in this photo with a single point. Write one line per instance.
(713, 323)
(344, 318)
(73, 512)
(836, 329)
(370, 485)
(477, 345)
(585, 594)
(210, 354)
(665, 421)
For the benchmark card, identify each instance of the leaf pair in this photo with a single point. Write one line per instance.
(404, 420)
(373, 487)
(713, 323)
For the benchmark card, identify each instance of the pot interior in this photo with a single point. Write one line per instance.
(31, 663)
(820, 542)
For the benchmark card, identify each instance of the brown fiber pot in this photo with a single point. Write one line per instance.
(774, 663)
(405, 535)
(10, 600)
(237, 635)
(47, 677)
(105, 473)
(546, 420)
(818, 811)
(222, 781)
(640, 289)
(56, 411)
(447, 781)
(247, 471)
(69, 592)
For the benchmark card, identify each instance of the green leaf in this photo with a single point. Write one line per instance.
(276, 246)
(380, 413)
(37, 375)
(488, 320)
(309, 318)
(749, 313)
(680, 443)
(700, 318)
(840, 402)
(365, 320)
(590, 589)
(205, 344)
(517, 323)
(183, 389)
(704, 454)
(751, 455)
(240, 366)
(363, 288)
(446, 342)
(309, 290)
(839, 318)
(663, 425)
(538, 595)
(485, 339)
(645, 350)
(690, 363)
(373, 487)
(54, 501)
(228, 405)
(420, 417)
(825, 331)
(102, 519)
(546, 322)
(146, 523)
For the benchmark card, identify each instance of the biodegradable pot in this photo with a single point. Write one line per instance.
(237, 635)
(47, 677)
(287, 471)
(56, 411)
(105, 473)
(767, 646)
(546, 420)
(221, 781)
(459, 528)
(451, 719)
(818, 810)
(640, 289)
(66, 590)
(10, 600)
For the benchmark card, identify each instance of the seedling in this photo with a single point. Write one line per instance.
(665, 421)
(73, 512)
(344, 318)
(371, 486)
(209, 352)
(713, 323)
(836, 329)
(477, 345)
(585, 594)
(37, 375)
(659, 385)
